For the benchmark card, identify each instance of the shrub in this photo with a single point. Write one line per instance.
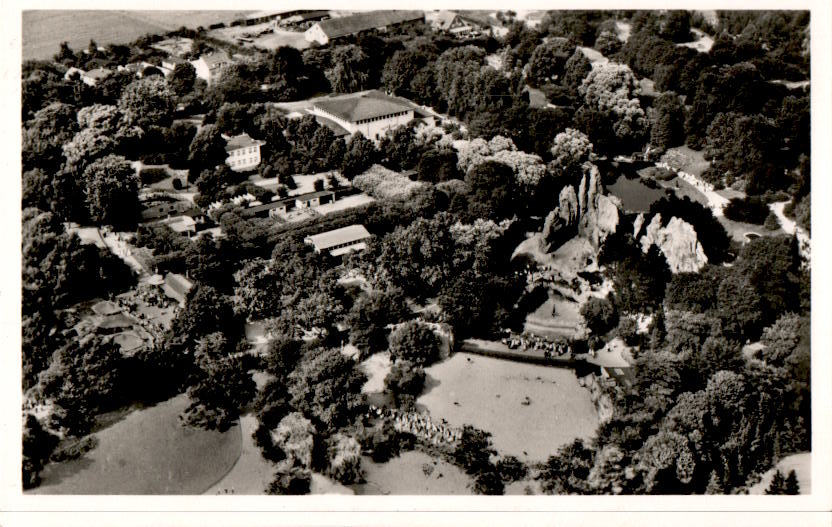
(75, 450)
(405, 378)
(772, 223)
(344, 459)
(149, 176)
(599, 315)
(414, 342)
(511, 469)
(748, 210)
(177, 184)
(627, 330)
(488, 482)
(290, 480)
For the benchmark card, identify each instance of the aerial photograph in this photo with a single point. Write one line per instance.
(415, 252)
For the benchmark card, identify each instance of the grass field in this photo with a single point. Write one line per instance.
(490, 393)
(44, 30)
(412, 473)
(148, 452)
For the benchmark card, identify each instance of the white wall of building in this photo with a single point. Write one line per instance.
(316, 34)
(202, 70)
(374, 129)
(244, 159)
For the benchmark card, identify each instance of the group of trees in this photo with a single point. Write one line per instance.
(701, 417)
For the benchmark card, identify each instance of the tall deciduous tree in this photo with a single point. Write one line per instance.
(326, 386)
(548, 61)
(349, 69)
(112, 191)
(575, 70)
(147, 102)
(359, 156)
(181, 81)
(207, 149)
(45, 134)
(667, 122)
(222, 388)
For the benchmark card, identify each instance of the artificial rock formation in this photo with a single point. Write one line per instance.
(562, 222)
(599, 213)
(587, 212)
(678, 243)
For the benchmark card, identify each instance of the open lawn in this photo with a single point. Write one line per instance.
(802, 466)
(490, 394)
(376, 367)
(686, 159)
(555, 317)
(148, 452)
(44, 30)
(737, 230)
(702, 44)
(349, 202)
(412, 472)
(537, 99)
(593, 55)
(269, 41)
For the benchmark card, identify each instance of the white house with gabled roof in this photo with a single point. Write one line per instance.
(243, 152)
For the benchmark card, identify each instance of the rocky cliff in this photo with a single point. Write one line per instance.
(586, 212)
(678, 243)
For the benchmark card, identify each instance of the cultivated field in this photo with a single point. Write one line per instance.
(44, 30)
(148, 452)
(530, 410)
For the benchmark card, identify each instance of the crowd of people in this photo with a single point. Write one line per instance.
(550, 348)
(421, 425)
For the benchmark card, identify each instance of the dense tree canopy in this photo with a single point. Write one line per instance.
(112, 187)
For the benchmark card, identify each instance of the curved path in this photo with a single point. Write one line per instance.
(252, 473)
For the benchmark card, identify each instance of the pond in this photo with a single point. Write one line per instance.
(635, 196)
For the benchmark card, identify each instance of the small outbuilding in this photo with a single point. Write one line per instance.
(340, 241)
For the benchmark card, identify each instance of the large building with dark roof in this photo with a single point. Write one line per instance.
(372, 113)
(327, 30)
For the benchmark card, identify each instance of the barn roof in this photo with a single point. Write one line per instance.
(352, 24)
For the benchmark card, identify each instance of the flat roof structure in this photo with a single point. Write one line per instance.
(351, 236)
(313, 195)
